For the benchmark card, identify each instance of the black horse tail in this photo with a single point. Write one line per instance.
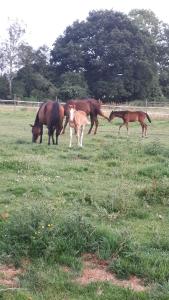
(102, 115)
(55, 116)
(148, 117)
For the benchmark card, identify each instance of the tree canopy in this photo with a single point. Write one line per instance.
(110, 56)
(117, 58)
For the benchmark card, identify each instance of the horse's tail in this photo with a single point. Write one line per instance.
(55, 116)
(102, 115)
(148, 117)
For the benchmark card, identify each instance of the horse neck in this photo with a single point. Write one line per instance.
(72, 113)
(37, 120)
(119, 114)
(36, 123)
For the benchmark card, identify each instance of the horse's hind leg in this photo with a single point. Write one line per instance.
(145, 130)
(57, 135)
(50, 134)
(96, 125)
(64, 127)
(81, 135)
(127, 127)
(53, 141)
(92, 123)
(142, 126)
(48, 137)
(58, 132)
(78, 136)
(71, 135)
(41, 135)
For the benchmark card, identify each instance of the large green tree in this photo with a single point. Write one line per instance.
(115, 56)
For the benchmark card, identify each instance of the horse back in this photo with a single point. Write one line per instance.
(132, 116)
(45, 112)
(82, 105)
(51, 113)
(141, 115)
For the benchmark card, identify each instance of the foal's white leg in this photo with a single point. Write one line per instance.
(71, 135)
(81, 138)
(78, 136)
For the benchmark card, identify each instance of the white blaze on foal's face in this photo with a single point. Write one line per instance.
(72, 110)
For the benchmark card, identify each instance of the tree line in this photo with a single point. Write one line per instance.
(110, 56)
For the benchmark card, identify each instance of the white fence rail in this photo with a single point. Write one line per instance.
(112, 104)
(161, 108)
(19, 102)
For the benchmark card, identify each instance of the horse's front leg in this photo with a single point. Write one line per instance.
(120, 127)
(40, 142)
(71, 135)
(145, 130)
(127, 127)
(78, 137)
(81, 135)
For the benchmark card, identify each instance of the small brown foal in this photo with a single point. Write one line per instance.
(77, 121)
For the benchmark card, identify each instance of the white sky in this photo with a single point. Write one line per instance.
(47, 19)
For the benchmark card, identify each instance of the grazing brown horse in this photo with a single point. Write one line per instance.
(131, 116)
(51, 114)
(91, 107)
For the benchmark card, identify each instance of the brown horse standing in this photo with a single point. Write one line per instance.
(91, 107)
(51, 114)
(131, 116)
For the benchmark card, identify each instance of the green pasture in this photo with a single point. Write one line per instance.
(110, 198)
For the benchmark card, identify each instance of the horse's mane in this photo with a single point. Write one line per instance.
(37, 115)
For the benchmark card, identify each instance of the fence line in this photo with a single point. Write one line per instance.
(127, 105)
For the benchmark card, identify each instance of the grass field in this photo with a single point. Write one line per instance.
(110, 198)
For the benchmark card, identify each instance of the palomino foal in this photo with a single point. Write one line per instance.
(77, 121)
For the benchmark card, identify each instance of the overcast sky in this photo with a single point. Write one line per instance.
(47, 19)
